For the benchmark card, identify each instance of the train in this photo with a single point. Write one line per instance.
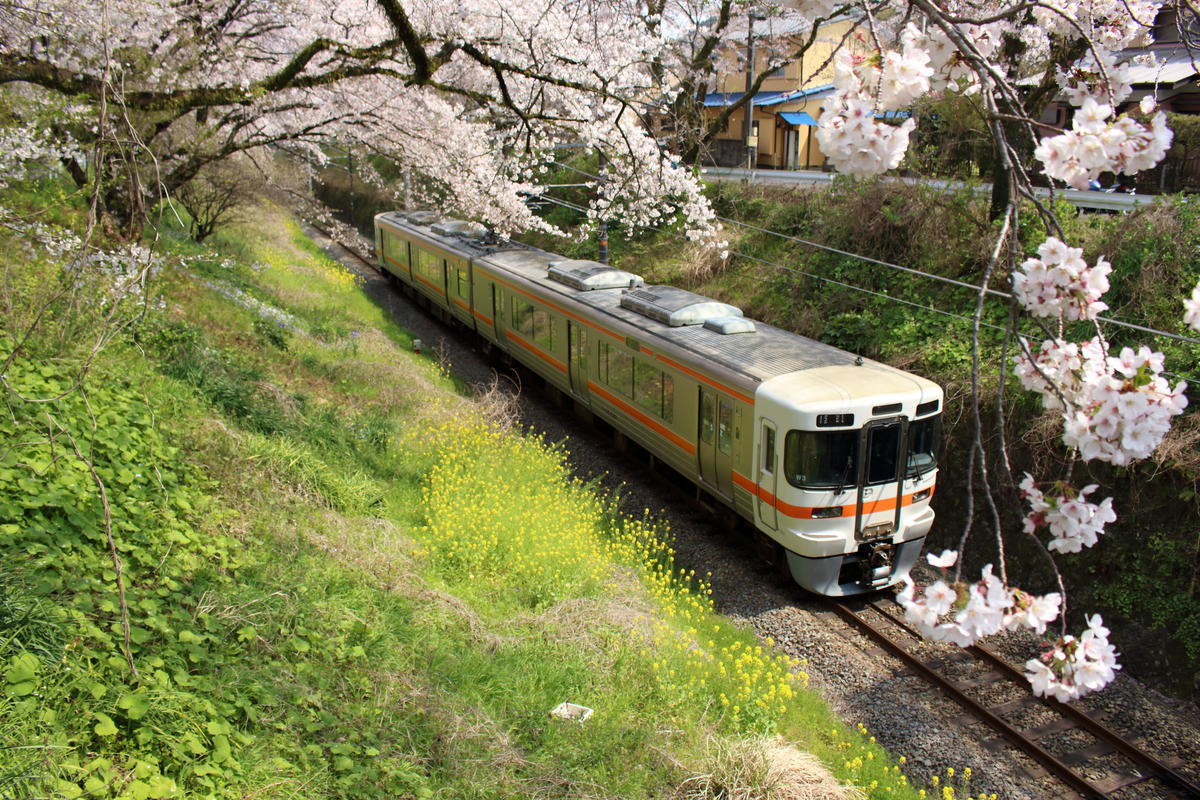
(830, 457)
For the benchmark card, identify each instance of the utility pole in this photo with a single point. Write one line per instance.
(748, 135)
(602, 233)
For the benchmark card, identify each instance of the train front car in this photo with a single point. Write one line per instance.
(853, 449)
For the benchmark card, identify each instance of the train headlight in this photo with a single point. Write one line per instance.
(921, 495)
(827, 513)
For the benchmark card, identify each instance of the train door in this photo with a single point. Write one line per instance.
(497, 299)
(715, 442)
(724, 454)
(577, 341)
(767, 471)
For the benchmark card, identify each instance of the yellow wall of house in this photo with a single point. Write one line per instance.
(815, 68)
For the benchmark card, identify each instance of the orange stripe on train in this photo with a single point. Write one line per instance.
(806, 512)
(537, 351)
(650, 423)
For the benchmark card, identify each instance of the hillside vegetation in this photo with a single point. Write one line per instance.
(253, 546)
(1145, 576)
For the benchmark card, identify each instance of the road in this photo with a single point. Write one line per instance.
(1094, 201)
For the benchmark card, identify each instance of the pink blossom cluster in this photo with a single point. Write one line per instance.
(1059, 283)
(1191, 309)
(1074, 523)
(964, 613)
(853, 139)
(1109, 24)
(1117, 409)
(1073, 667)
(1097, 144)
(1102, 79)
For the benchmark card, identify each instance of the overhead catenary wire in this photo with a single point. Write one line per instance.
(996, 293)
(765, 262)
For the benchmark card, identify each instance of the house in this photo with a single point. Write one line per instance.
(788, 104)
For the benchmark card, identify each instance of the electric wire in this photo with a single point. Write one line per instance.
(910, 270)
(1030, 341)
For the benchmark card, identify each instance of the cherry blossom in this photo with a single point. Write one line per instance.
(1074, 523)
(1096, 144)
(1073, 667)
(1104, 79)
(1191, 306)
(963, 613)
(1060, 283)
(1117, 409)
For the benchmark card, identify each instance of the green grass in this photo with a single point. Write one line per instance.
(340, 583)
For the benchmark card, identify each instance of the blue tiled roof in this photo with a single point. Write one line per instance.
(718, 99)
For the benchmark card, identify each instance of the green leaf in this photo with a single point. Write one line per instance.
(218, 726)
(21, 668)
(221, 750)
(105, 726)
(135, 704)
(343, 763)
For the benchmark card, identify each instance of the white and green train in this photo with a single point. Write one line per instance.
(830, 456)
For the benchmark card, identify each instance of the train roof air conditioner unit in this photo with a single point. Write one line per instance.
(588, 275)
(676, 307)
(458, 227)
(423, 217)
(728, 325)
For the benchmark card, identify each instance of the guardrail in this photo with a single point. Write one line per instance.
(1098, 201)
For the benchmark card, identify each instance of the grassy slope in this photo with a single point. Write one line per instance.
(340, 583)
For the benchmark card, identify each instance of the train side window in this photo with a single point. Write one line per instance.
(724, 427)
(522, 317)
(602, 362)
(647, 387)
(620, 371)
(706, 418)
(543, 329)
(463, 287)
(768, 449)
(668, 398)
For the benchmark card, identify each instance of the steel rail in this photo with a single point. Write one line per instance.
(1077, 715)
(1044, 757)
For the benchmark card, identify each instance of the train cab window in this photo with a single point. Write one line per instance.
(923, 436)
(883, 454)
(768, 450)
(821, 459)
(706, 418)
(725, 427)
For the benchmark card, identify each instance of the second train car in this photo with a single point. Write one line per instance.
(831, 457)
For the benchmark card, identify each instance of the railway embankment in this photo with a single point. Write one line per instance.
(255, 545)
(1144, 578)
(938, 737)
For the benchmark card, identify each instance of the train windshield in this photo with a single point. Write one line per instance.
(829, 459)
(821, 459)
(923, 438)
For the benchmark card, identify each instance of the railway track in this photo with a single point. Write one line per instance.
(1085, 755)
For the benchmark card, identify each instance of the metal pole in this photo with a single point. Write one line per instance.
(602, 233)
(748, 109)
